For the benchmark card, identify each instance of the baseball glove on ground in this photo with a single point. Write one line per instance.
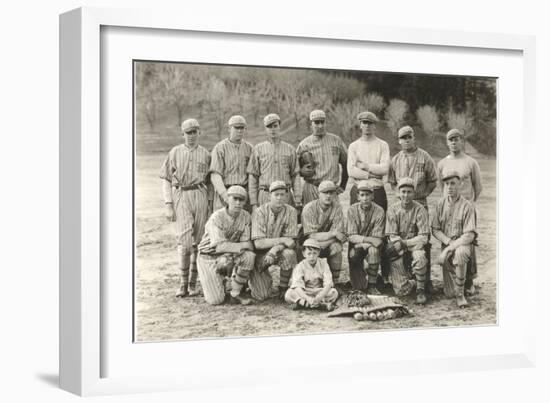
(381, 307)
(307, 165)
(392, 253)
(357, 299)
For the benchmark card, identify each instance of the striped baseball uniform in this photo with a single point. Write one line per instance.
(185, 173)
(376, 153)
(221, 227)
(230, 161)
(328, 151)
(408, 223)
(417, 165)
(269, 224)
(455, 219)
(316, 219)
(469, 171)
(367, 222)
(312, 280)
(272, 162)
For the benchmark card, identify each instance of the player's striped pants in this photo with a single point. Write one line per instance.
(292, 296)
(191, 207)
(333, 254)
(261, 280)
(212, 283)
(400, 275)
(363, 264)
(454, 269)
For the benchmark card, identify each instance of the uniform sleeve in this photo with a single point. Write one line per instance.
(436, 222)
(338, 223)
(429, 169)
(392, 226)
(297, 280)
(343, 151)
(254, 165)
(291, 229)
(215, 232)
(352, 228)
(217, 163)
(259, 227)
(352, 159)
(385, 157)
(293, 166)
(166, 169)
(309, 221)
(327, 275)
(422, 221)
(245, 236)
(391, 172)
(476, 177)
(379, 218)
(469, 222)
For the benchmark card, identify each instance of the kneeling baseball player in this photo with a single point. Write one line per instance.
(407, 230)
(226, 250)
(274, 230)
(311, 285)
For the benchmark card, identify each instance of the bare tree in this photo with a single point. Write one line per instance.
(396, 113)
(150, 90)
(461, 121)
(344, 116)
(429, 120)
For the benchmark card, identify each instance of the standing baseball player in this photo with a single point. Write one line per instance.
(230, 159)
(365, 231)
(454, 224)
(369, 158)
(274, 231)
(184, 175)
(466, 166)
(226, 250)
(470, 188)
(323, 221)
(413, 162)
(407, 229)
(273, 160)
(321, 155)
(311, 286)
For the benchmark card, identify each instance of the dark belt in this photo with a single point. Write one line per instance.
(313, 182)
(190, 187)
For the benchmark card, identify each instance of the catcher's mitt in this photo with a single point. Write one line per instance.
(356, 299)
(392, 253)
(224, 265)
(307, 164)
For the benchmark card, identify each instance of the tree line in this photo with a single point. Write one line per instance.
(214, 92)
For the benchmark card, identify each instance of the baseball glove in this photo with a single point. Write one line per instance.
(224, 265)
(356, 299)
(307, 165)
(392, 253)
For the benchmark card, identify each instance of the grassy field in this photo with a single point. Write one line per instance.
(160, 316)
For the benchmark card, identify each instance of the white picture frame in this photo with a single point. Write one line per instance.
(84, 346)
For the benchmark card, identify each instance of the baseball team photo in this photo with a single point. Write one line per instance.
(273, 201)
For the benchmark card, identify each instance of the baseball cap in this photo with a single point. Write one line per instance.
(327, 186)
(454, 133)
(367, 116)
(404, 131)
(189, 124)
(277, 185)
(312, 243)
(272, 117)
(449, 175)
(364, 185)
(237, 191)
(405, 182)
(237, 120)
(317, 115)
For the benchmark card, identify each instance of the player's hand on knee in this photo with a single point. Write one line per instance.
(170, 213)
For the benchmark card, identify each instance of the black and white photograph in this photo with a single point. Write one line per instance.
(274, 201)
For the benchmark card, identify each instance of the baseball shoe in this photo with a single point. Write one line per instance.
(182, 292)
(193, 292)
(373, 290)
(420, 297)
(470, 290)
(300, 304)
(239, 300)
(329, 306)
(461, 301)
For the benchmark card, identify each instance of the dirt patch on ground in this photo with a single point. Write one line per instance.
(160, 316)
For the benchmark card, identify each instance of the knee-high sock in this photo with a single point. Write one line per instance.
(184, 259)
(193, 273)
